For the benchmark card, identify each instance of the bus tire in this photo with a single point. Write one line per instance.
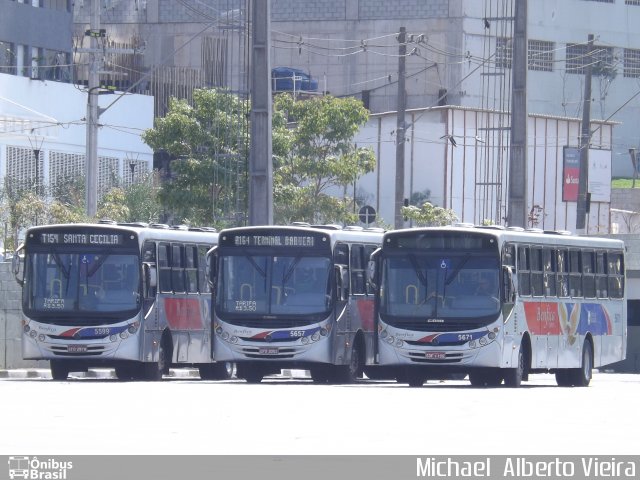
(153, 371)
(513, 376)
(250, 373)
(490, 377)
(320, 374)
(581, 377)
(216, 371)
(416, 379)
(350, 373)
(59, 370)
(126, 372)
(563, 378)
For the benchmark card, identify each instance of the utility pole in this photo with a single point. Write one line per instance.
(517, 213)
(400, 129)
(585, 137)
(95, 53)
(91, 160)
(260, 156)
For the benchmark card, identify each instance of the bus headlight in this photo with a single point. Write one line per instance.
(219, 330)
(399, 343)
(472, 344)
(491, 336)
(225, 335)
(124, 335)
(41, 337)
(483, 341)
(33, 334)
(304, 340)
(133, 328)
(324, 332)
(113, 337)
(26, 328)
(315, 337)
(383, 334)
(234, 339)
(390, 340)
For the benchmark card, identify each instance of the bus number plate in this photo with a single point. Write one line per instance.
(268, 351)
(77, 349)
(435, 355)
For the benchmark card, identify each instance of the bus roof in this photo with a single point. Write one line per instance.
(336, 233)
(513, 234)
(144, 231)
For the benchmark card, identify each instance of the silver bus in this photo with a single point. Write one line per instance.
(294, 297)
(126, 296)
(497, 304)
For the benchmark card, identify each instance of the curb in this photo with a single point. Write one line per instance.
(104, 373)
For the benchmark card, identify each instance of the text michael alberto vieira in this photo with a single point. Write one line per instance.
(522, 467)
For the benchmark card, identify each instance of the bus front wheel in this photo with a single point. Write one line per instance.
(513, 376)
(490, 377)
(59, 370)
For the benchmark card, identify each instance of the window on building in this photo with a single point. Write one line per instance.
(632, 2)
(601, 59)
(7, 58)
(632, 62)
(540, 55)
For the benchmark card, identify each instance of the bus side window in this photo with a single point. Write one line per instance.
(601, 275)
(357, 268)
(575, 273)
(202, 269)
(563, 272)
(536, 272)
(177, 267)
(191, 268)
(549, 259)
(615, 274)
(341, 257)
(524, 278)
(164, 269)
(368, 250)
(588, 274)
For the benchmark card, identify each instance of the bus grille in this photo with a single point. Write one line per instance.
(418, 357)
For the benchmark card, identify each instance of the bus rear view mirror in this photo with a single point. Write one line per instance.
(17, 264)
(372, 269)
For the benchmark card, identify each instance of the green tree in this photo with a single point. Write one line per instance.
(429, 215)
(207, 143)
(315, 158)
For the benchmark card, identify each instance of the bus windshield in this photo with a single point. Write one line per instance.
(452, 286)
(96, 282)
(273, 285)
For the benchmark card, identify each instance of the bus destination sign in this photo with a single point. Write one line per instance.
(261, 239)
(74, 238)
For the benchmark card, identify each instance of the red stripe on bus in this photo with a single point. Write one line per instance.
(183, 313)
(365, 308)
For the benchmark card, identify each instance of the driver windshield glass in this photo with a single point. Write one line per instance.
(82, 282)
(444, 286)
(255, 284)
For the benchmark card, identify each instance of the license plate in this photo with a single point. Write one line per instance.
(268, 351)
(435, 355)
(77, 349)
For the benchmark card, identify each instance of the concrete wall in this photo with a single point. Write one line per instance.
(10, 322)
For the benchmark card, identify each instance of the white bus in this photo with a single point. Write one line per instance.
(498, 304)
(126, 296)
(294, 297)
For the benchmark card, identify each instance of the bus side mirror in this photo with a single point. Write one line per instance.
(342, 282)
(17, 265)
(212, 267)
(508, 283)
(149, 280)
(372, 269)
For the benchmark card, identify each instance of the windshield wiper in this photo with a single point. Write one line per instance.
(456, 270)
